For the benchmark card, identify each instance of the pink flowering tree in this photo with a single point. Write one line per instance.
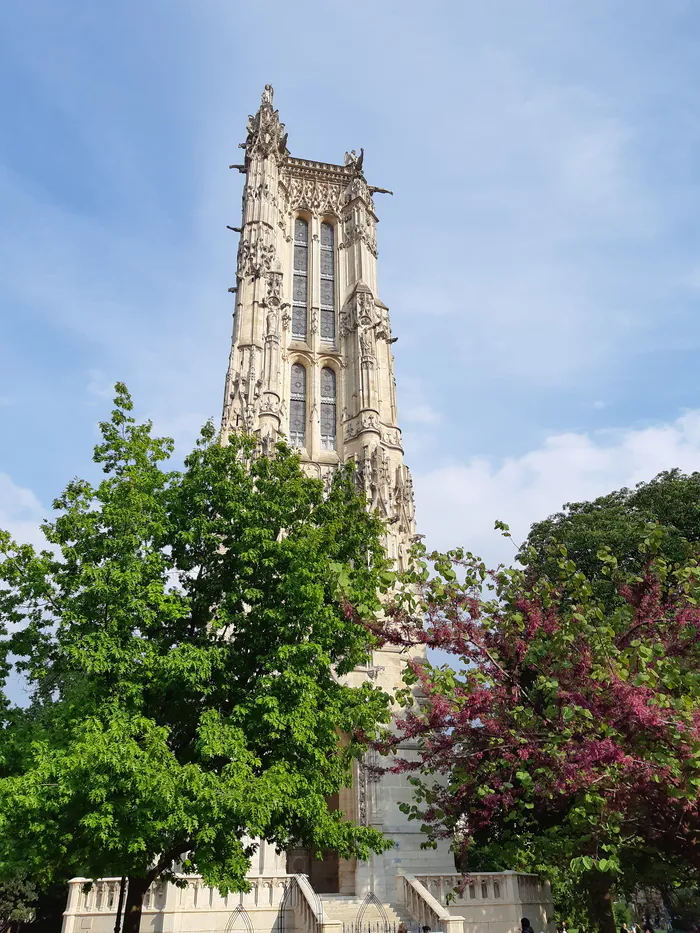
(564, 735)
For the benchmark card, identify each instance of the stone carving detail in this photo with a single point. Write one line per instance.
(244, 395)
(383, 330)
(353, 161)
(365, 309)
(272, 324)
(344, 323)
(254, 257)
(266, 135)
(358, 226)
(358, 188)
(391, 436)
(404, 498)
(360, 311)
(315, 195)
(367, 344)
(327, 474)
(267, 443)
(388, 488)
(314, 320)
(270, 403)
(274, 288)
(261, 192)
(367, 421)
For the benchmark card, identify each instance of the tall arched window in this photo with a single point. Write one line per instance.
(327, 284)
(297, 406)
(300, 284)
(327, 409)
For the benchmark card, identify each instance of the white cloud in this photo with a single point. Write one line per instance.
(421, 414)
(99, 386)
(457, 505)
(21, 512)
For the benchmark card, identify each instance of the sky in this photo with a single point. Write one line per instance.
(540, 255)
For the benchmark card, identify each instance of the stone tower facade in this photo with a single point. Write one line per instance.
(311, 361)
(311, 358)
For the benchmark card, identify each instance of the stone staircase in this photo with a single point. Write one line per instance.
(376, 918)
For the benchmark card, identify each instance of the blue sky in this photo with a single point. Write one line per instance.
(540, 257)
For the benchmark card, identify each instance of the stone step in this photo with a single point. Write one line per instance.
(347, 908)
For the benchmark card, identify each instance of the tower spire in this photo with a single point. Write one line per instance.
(266, 135)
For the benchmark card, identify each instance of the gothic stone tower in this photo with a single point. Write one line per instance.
(311, 361)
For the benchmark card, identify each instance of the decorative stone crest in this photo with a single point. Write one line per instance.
(266, 135)
(270, 404)
(391, 436)
(367, 421)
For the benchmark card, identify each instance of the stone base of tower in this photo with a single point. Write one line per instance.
(378, 875)
(493, 902)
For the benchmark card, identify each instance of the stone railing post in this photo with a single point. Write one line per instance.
(75, 889)
(426, 909)
(511, 887)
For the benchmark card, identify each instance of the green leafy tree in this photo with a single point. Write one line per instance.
(184, 637)
(564, 739)
(17, 901)
(619, 522)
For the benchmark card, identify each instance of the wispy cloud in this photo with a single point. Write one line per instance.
(460, 503)
(21, 512)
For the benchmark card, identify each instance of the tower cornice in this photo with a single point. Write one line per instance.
(306, 168)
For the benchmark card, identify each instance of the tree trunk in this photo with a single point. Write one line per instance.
(135, 893)
(599, 885)
(120, 905)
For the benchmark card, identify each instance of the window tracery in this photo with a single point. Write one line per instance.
(297, 406)
(300, 281)
(327, 283)
(328, 409)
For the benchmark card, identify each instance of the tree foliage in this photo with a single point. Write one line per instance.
(17, 899)
(565, 737)
(619, 521)
(183, 637)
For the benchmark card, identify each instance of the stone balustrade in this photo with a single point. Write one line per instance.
(492, 902)
(271, 903)
(278, 902)
(483, 902)
(425, 908)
